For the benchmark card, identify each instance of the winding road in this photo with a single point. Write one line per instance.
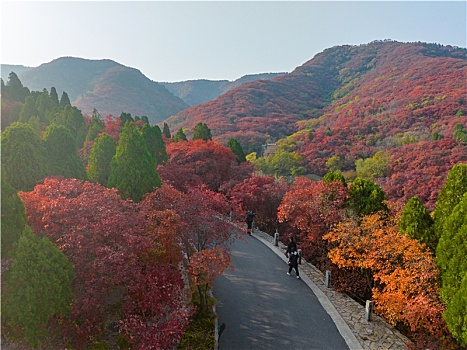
(264, 308)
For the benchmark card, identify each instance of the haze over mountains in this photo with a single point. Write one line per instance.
(112, 88)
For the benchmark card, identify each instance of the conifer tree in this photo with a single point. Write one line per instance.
(133, 170)
(14, 217)
(366, 197)
(451, 255)
(72, 118)
(202, 132)
(417, 223)
(100, 159)
(54, 97)
(166, 131)
(28, 110)
(24, 159)
(15, 91)
(333, 176)
(95, 126)
(62, 153)
(38, 286)
(156, 145)
(180, 136)
(237, 149)
(450, 195)
(64, 100)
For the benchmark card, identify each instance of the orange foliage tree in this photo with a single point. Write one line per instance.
(313, 207)
(405, 288)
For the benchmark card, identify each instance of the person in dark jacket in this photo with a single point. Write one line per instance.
(292, 254)
(250, 216)
(293, 263)
(291, 246)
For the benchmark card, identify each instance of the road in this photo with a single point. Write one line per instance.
(264, 308)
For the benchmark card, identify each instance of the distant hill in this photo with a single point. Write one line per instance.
(106, 85)
(195, 92)
(351, 102)
(6, 69)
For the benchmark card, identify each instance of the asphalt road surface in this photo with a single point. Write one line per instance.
(264, 308)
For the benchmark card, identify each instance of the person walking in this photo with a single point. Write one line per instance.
(292, 254)
(250, 216)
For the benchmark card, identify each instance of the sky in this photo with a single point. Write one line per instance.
(171, 41)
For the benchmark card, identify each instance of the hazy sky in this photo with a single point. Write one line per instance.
(176, 41)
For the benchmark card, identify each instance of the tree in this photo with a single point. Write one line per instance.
(23, 157)
(417, 223)
(62, 153)
(14, 89)
(202, 132)
(450, 195)
(14, 217)
(280, 163)
(335, 176)
(180, 136)
(334, 163)
(54, 97)
(374, 167)
(99, 164)
(64, 100)
(133, 170)
(263, 195)
(156, 145)
(237, 149)
(125, 117)
(313, 207)
(38, 287)
(72, 118)
(192, 163)
(166, 131)
(96, 125)
(117, 278)
(28, 110)
(404, 275)
(366, 197)
(451, 252)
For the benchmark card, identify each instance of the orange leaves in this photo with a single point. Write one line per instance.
(207, 264)
(404, 272)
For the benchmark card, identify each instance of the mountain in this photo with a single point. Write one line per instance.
(408, 100)
(105, 85)
(6, 69)
(195, 92)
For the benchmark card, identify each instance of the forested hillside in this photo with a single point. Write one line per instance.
(195, 92)
(105, 85)
(348, 103)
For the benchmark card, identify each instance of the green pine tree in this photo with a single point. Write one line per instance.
(54, 97)
(14, 217)
(37, 286)
(180, 136)
(417, 223)
(449, 196)
(451, 255)
(133, 169)
(156, 145)
(166, 131)
(62, 153)
(202, 132)
(28, 110)
(24, 160)
(333, 176)
(237, 149)
(64, 100)
(100, 159)
(366, 197)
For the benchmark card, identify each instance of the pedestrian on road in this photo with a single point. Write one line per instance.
(293, 263)
(291, 246)
(249, 221)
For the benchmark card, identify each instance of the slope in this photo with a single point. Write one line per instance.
(105, 85)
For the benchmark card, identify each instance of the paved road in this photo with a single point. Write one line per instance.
(264, 308)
